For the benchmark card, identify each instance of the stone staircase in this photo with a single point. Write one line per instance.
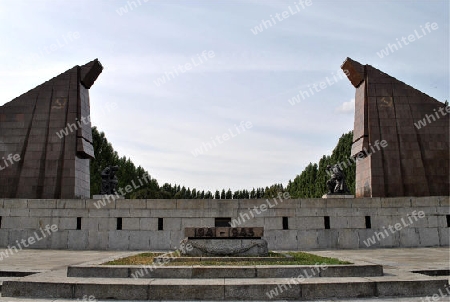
(230, 283)
(12, 275)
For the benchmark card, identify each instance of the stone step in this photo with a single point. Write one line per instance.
(223, 289)
(212, 272)
(3, 279)
(13, 275)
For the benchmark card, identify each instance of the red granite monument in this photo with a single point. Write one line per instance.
(46, 138)
(414, 160)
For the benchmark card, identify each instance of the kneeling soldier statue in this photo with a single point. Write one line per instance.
(336, 184)
(109, 180)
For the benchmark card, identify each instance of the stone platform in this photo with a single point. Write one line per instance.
(397, 279)
(232, 272)
(57, 285)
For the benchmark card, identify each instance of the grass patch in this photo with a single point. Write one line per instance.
(140, 259)
(293, 258)
(302, 258)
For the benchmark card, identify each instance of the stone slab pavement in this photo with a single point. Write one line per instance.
(398, 259)
(32, 260)
(415, 299)
(405, 259)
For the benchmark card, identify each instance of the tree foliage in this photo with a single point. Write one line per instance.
(309, 184)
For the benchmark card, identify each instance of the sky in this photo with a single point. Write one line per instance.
(223, 94)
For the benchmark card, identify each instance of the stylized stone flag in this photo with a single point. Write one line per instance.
(46, 138)
(415, 126)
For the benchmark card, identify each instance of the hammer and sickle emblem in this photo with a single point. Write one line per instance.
(386, 102)
(60, 103)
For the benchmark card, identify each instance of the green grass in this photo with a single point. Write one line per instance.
(297, 258)
(302, 258)
(140, 259)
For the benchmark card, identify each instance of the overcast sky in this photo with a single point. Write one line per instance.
(179, 74)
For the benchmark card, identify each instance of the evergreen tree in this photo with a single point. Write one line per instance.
(229, 194)
(104, 156)
(311, 183)
(127, 175)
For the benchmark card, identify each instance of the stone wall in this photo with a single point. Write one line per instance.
(351, 222)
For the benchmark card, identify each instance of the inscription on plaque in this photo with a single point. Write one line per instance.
(243, 232)
(224, 232)
(204, 232)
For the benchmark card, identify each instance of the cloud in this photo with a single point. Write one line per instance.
(347, 107)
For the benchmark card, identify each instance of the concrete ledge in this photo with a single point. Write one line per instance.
(42, 203)
(410, 287)
(131, 204)
(161, 203)
(70, 203)
(36, 289)
(396, 202)
(238, 289)
(211, 272)
(352, 271)
(101, 203)
(182, 290)
(220, 289)
(115, 291)
(338, 196)
(316, 271)
(184, 272)
(110, 271)
(345, 288)
(15, 203)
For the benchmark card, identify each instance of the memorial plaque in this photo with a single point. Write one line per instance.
(223, 232)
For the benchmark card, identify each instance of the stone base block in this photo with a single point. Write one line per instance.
(225, 247)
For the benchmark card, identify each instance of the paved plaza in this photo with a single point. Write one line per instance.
(395, 261)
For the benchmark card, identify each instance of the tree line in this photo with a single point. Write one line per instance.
(310, 183)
